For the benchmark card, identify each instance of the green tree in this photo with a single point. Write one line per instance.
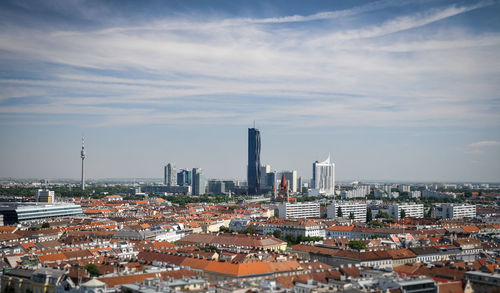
(223, 229)
(45, 225)
(277, 233)
(339, 212)
(403, 214)
(351, 216)
(369, 215)
(92, 270)
(290, 239)
(381, 214)
(375, 224)
(356, 244)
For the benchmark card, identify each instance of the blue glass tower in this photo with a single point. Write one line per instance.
(253, 169)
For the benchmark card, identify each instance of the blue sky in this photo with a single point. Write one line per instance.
(394, 90)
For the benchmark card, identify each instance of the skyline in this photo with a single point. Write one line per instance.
(394, 91)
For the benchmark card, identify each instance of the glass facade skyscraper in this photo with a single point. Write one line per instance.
(253, 169)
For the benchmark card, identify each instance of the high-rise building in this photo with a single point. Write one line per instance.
(412, 210)
(184, 178)
(199, 183)
(345, 209)
(454, 211)
(253, 168)
(271, 179)
(300, 210)
(264, 170)
(291, 179)
(170, 175)
(324, 177)
(44, 195)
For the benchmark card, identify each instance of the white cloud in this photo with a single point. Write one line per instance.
(203, 71)
(484, 143)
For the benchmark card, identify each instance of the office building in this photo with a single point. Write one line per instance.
(14, 213)
(358, 209)
(323, 177)
(404, 188)
(301, 210)
(437, 194)
(412, 210)
(360, 191)
(454, 211)
(291, 179)
(264, 170)
(163, 189)
(170, 175)
(253, 168)
(184, 178)
(216, 187)
(271, 179)
(415, 194)
(44, 195)
(199, 183)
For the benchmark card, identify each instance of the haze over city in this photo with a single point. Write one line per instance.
(393, 90)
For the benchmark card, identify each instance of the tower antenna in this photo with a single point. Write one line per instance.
(83, 156)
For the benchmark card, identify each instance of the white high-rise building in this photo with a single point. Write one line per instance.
(358, 209)
(170, 175)
(300, 210)
(412, 210)
(454, 211)
(324, 177)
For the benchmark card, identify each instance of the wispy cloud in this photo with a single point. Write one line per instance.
(180, 69)
(484, 143)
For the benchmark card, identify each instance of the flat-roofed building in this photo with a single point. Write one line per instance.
(411, 210)
(14, 213)
(358, 209)
(302, 210)
(454, 211)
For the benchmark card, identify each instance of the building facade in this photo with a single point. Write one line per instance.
(323, 177)
(199, 183)
(411, 210)
(184, 178)
(170, 175)
(253, 168)
(454, 211)
(303, 210)
(358, 209)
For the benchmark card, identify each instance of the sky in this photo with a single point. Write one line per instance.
(393, 90)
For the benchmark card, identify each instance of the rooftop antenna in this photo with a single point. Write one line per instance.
(253, 123)
(83, 156)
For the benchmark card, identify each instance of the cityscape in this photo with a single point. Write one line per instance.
(234, 147)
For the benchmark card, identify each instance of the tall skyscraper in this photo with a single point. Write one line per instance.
(184, 178)
(324, 177)
(253, 169)
(170, 175)
(83, 156)
(199, 183)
